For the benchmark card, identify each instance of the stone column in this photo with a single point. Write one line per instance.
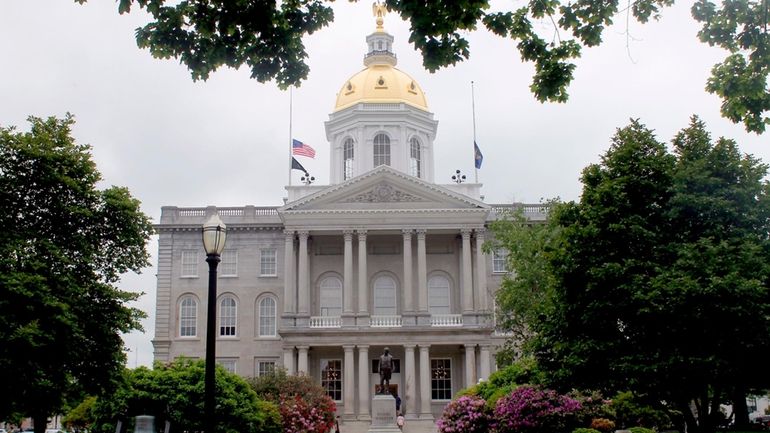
(363, 284)
(425, 394)
(481, 271)
(409, 399)
(289, 292)
(364, 385)
(467, 272)
(303, 277)
(348, 381)
(347, 279)
(408, 294)
(288, 359)
(422, 273)
(484, 361)
(470, 365)
(302, 360)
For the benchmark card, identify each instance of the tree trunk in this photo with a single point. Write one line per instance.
(690, 420)
(40, 422)
(740, 408)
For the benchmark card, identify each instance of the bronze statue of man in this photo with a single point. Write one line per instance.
(386, 368)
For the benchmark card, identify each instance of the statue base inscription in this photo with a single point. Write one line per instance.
(383, 414)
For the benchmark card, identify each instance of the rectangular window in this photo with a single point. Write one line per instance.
(229, 265)
(264, 367)
(331, 378)
(190, 260)
(499, 260)
(441, 379)
(227, 363)
(268, 266)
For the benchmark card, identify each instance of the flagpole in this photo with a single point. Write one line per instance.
(290, 136)
(473, 105)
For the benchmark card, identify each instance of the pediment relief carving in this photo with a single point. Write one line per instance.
(383, 193)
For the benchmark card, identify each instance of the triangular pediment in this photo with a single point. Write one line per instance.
(383, 189)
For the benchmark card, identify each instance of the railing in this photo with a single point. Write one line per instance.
(325, 322)
(525, 208)
(446, 320)
(385, 321)
(192, 212)
(380, 106)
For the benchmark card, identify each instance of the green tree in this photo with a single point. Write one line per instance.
(526, 292)
(64, 245)
(267, 38)
(663, 275)
(174, 392)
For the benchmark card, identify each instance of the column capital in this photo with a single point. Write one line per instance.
(303, 234)
(485, 346)
(470, 346)
(424, 346)
(407, 233)
(348, 347)
(480, 232)
(289, 234)
(361, 232)
(466, 233)
(303, 347)
(409, 346)
(362, 347)
(348, 235)
(420, 234)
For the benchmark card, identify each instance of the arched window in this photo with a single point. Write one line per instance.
(385, 296)
(188, 317)
(330, 296)
(381, 150)
(227, 316)
(415, 159)
(347, 159)
(267, 317)
(438, 295)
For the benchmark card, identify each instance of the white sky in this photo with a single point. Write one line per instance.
(224, 142)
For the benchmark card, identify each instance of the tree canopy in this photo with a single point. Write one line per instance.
(64, 245)
(267, 38)
(661, 282)
(174, 393)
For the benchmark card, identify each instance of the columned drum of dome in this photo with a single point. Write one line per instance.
(380, 101)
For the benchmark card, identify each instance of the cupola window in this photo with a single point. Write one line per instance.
(348, 158)
(381, 150)
(415, 158)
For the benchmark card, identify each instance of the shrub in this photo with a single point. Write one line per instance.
(467, 414)
(592, 406)
(632, 410)
(302, 403)
(531, 410)
(641, 430)
(174, 392)
(603, 425)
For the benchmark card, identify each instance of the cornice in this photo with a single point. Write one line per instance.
(383, 169)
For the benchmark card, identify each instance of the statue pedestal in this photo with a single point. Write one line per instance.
(383, 414)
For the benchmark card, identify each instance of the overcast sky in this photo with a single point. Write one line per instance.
(224, 142)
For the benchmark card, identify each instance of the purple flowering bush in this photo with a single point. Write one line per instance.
(467, 414)
(531, 410)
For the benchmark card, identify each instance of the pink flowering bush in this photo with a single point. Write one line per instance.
(298, 416)
(302, 403)
(531, 410)
(467, 414)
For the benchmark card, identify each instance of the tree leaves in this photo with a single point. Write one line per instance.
(64, 246)
(267, 37)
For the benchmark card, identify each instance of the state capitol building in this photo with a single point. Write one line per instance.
(381, 257)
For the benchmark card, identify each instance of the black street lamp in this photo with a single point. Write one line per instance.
(214, 235)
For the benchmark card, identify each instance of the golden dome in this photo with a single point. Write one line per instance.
(381, 83)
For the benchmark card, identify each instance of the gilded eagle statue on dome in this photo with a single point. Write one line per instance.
(379, 10)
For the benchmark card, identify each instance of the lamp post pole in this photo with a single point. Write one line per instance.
(214, 235)
(211, 326)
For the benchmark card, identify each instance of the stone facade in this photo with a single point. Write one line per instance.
(381, 257)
